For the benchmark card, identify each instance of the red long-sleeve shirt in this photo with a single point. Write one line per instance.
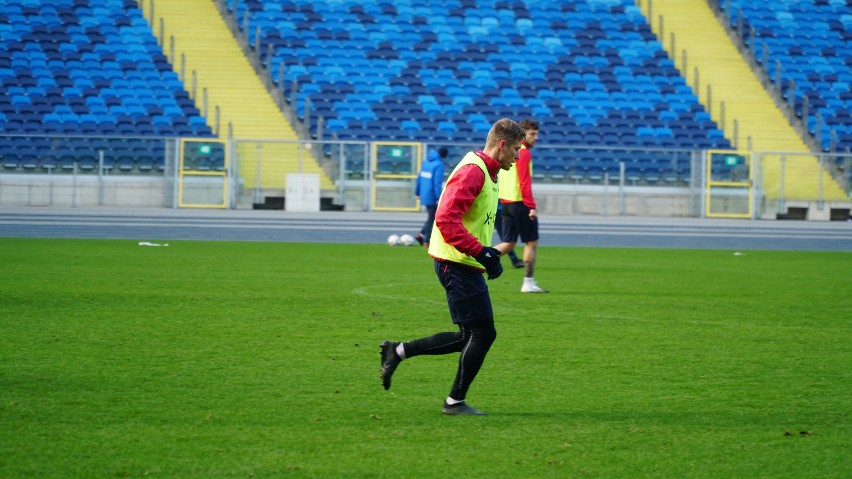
(522, 167)
(458, 197)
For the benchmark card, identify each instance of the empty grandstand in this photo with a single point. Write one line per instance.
(111, 86)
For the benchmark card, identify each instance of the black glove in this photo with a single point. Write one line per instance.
(489, 258)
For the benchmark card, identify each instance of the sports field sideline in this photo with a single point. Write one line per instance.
(374, 227)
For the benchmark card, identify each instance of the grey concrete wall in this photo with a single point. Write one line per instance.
(552, 199)
(575, 200)
(630, 201)
(66, 191)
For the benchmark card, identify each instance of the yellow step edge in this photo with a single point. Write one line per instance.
(208, 47)
(698, 32)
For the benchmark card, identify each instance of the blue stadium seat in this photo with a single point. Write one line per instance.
(814, 66)
(79, 60)
(584, 56)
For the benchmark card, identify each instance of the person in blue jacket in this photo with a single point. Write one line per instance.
(430, 183)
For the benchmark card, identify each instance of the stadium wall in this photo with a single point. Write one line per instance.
(68, 191)
(84, 191)
(156, 192)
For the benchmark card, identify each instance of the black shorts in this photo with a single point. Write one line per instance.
(517, 222)
(467, 293)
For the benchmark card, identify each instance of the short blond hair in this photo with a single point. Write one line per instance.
(504, 129)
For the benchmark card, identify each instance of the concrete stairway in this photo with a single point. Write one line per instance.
(762, 127)
(203, 38)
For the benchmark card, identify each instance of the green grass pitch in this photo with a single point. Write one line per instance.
(240, 360)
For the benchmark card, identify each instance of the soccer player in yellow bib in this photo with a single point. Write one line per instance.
(462, 252)
(520, 217)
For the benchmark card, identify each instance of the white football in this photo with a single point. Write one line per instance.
(407, 240)
(393, 240)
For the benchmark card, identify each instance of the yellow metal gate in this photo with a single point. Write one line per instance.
(203, 174)
(729, 187)
(395, 169)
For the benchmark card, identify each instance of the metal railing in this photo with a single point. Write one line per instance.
(194, 81)
(88, 170)
(810, 125)
(259, 168)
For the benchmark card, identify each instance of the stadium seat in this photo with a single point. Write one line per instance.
(813, 68)
(74, 73)
(586, 50)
